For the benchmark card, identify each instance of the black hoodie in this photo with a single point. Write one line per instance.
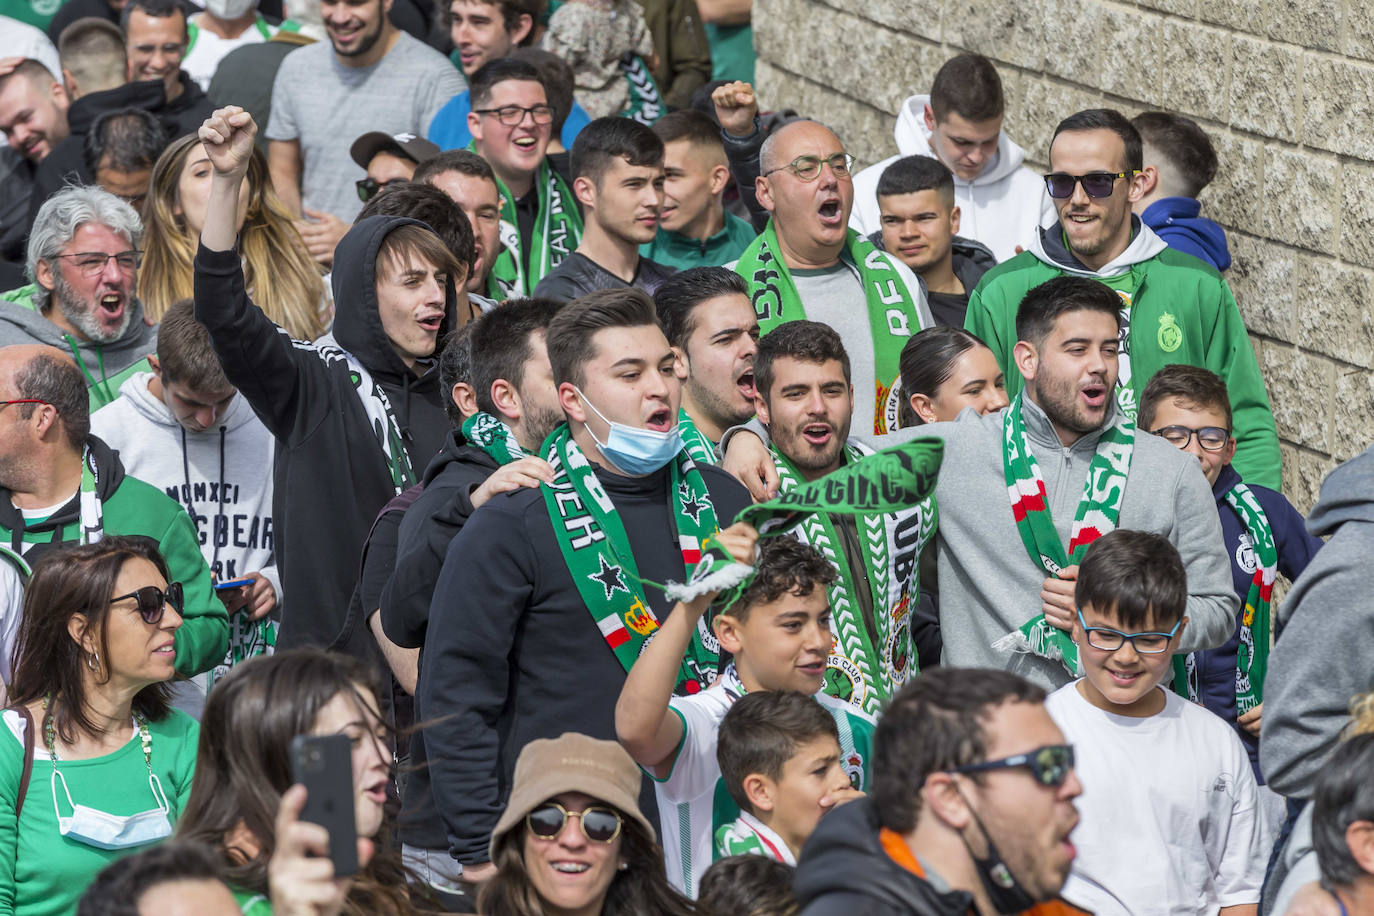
(331, 476)
(844, 871)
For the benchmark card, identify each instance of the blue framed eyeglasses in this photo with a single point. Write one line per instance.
(1109, 640)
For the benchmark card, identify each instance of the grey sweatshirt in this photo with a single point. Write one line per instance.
(1322, 656)
(989, 586)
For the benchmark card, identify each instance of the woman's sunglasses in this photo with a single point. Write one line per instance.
(600, 825)
(153, 601)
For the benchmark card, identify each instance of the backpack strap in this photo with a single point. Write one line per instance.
(28, 757)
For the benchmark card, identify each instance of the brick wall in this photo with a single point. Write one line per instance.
(1284, 87)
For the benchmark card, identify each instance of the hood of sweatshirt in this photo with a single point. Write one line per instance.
(1048, 245)
(148, 95)
(913, 138)
(1345, 496)
(456, 450)
(135, 391)
(109, 475)
(1176, 220)
(844, 856)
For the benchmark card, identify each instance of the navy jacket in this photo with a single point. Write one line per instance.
(1217, 667)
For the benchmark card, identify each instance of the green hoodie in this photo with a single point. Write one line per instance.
(105, 366)
(130, 506)
(1181, 311)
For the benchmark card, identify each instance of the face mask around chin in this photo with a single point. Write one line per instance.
(1005, 893)
(229, 9)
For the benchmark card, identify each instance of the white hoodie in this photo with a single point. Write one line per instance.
(1001, 208)
(223, 476)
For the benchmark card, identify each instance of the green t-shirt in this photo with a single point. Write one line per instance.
(251, 903)
(732, 52)
(42, 873)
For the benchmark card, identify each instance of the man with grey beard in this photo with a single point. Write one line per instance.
(83, 268)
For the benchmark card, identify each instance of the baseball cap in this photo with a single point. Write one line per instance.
(416, 149)
(571, 762)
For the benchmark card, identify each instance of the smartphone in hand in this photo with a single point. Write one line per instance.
(324, 765)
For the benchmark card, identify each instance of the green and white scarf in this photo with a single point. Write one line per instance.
(865, 669)
(701, 449)
(557, 230)
(646, 103)
(1098, 512)
(892, 312)
(377, 406)
(493, 437)
(1252, 655)
(895, 479)
(596, 549)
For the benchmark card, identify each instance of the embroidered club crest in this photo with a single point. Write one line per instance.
(854, 769)
(1170, 335)
(844, 680)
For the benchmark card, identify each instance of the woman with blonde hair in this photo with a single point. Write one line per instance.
(278, 270)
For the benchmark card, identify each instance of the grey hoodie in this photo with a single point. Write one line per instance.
(105, 366)
(1322, 656)
(990, 587)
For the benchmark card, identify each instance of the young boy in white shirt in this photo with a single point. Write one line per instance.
(1169, 819)
(778, 632)
(779, 755)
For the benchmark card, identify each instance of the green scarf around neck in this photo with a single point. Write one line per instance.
(557, 231)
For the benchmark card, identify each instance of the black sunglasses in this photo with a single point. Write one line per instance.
(600, 825)
(153, 601)
(369, 188)
(1050, 765)
(1095, 184)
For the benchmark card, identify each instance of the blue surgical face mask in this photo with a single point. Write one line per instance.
(114, 831)
(633, 449)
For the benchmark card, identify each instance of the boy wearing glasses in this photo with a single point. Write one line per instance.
(1170, 820)
(778, 633)
(1174, 308)
(1263, 533)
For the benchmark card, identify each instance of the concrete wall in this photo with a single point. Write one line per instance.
(1284, 87)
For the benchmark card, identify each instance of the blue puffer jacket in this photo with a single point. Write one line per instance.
(1217, 667)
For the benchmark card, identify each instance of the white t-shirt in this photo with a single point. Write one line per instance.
(693, 802)
(1170, 822)
(208, 49)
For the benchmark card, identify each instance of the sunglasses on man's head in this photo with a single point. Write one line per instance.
(600, 825)
(1095, 184)
(1050, 765)
(153, 601)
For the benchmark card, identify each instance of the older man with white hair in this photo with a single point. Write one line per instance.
(82, 266)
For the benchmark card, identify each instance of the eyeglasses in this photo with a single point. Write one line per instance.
(153, 601)
(369, 188)
(1050, 765)
(808, 168)
(1211, 438)
(92, 263)
(600, 825)
(1109, 640)
(511, 115)
(4, 404)
(1095, 184)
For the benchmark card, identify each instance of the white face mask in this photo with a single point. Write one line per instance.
(229, 9)
(114, 831)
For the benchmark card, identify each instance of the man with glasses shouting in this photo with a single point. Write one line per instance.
(971, 808)
(1171, 818)
(83, 258)
(808, 263)
(1174, 308)
(60, 485)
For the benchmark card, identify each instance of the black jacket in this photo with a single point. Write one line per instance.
(844, 871)
(67, 163)
(512, 653)
(331, 477)
(969, 259)
(579, 275)
(429, 525)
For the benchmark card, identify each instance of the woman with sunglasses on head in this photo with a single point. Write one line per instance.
(244, 769)
(94, 763)
(572, 840)
(278, 270)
